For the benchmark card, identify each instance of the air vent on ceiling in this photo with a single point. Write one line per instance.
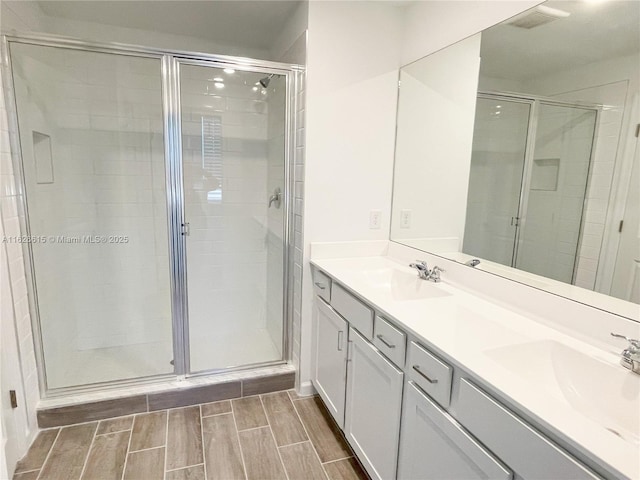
(537, 16)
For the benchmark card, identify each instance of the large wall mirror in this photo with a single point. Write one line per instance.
(519, 147)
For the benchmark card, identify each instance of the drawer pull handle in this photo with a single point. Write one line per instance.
(417, 369)
(381, 338)
(321, 286)
(340, 334)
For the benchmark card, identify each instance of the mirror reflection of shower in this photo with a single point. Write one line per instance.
(528, 184)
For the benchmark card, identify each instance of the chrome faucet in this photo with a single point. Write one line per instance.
(434, 276)
(425, 273)
(423, 269)
(631, 355)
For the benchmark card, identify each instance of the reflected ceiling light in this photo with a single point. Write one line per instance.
(219, 85)
(218, 79)
(498, 106)
(229, 71)
(255, 89)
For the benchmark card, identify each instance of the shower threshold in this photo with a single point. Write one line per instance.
(127, 400)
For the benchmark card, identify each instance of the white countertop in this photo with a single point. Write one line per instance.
(482, 336)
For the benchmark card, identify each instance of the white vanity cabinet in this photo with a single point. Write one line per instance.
(330, 359)
(374, 401)
(398, 412)
(434, 446)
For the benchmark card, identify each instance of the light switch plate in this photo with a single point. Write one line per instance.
(374, 219)
(405, 218)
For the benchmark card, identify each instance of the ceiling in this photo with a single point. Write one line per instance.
(594, 31)
(242, 23)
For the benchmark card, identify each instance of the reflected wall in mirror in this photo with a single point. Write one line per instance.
(518, 146)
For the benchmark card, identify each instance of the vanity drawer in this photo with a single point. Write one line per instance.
(322, 285)
(430, 373)
(353, 310)
(530, 454)
(390, 341)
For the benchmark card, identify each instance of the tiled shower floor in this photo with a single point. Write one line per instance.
(273, 436)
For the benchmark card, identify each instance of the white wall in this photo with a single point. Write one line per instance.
(433, 145)
(351, 94)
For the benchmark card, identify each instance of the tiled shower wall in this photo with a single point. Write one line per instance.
(15, 290)
(608, 138)
(297, 54)
(25, 18)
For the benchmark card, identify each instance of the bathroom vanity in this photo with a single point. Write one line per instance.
(430, 380)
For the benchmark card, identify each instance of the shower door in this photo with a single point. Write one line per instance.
(528, 183)
(496, 175)
(233, 168)
(93, 173)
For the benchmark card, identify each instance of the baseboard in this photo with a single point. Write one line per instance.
(306, 389)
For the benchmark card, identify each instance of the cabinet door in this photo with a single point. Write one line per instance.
(330, 374)
(434, 446)
(374, 401)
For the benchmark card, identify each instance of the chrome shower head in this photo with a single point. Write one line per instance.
(266, 80)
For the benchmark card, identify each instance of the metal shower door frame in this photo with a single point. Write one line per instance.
(526, 161)
(179, 249)
(170, 61)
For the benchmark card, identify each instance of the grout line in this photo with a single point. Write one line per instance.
(49, 453)
(27, 471)
(126, 457)
(292, 444)
(188, 466)
(84, 466)
(146, 449)
(213, 415)
(338, 460)
(204, 462)
(284, 468)
(115, 431)
(254, 428)
(304, 427)
(235, 423)
(166, 446)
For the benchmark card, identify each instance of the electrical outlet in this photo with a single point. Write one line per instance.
(374, 219)
(405, 218)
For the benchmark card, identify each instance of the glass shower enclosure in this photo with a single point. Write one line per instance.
(528, 183)
(156, 210)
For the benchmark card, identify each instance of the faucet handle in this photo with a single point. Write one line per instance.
(632, 341)
(437, 269)
(419, 264)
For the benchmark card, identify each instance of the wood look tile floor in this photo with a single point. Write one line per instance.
(266, 437)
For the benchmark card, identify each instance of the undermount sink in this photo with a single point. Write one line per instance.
(402, 285)
(604, 392)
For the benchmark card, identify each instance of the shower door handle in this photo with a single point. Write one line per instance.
(275, 198)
